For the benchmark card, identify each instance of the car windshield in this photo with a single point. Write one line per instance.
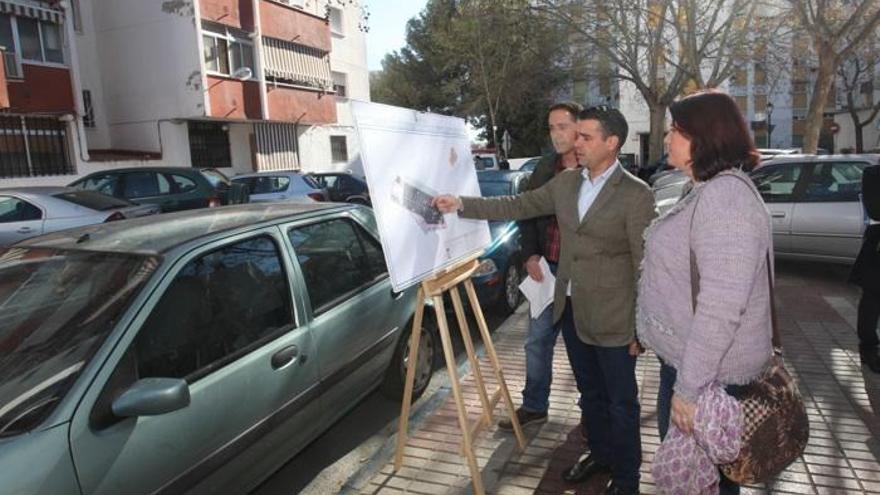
(93, 200)
(494, 188)
(215, 177)
(56, 308)
(311, 181)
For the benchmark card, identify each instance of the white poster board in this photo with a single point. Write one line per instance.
(408, 158)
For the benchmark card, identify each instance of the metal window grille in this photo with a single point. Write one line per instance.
(33, 147)
(276, 147)
(88, 109)
(209, 145)
(339, 148)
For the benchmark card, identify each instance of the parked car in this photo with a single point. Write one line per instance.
(500, 272)
(344, 187)
(519, 163)
(194, 352)
(814, 202)
(529, 165)
(31, 211)
(282, 186)
(172, 188)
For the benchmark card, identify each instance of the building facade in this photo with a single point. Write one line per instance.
(238, 85)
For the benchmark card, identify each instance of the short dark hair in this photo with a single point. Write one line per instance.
(612, 121)
(720, 138)
(571, 107)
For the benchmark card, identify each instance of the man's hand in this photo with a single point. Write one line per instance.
(683, 414)
(446, 203)
(636, 348)
(533, 267)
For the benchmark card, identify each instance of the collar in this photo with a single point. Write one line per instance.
(602, 178)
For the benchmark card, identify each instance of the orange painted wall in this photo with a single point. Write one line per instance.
(235, 13)
(290, 103)
(4, 91)
(296, 26)
(43, 89)
(233, 99)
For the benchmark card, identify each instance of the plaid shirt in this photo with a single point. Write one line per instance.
(552, 244)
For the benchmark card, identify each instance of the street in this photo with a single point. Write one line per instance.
(817, 316)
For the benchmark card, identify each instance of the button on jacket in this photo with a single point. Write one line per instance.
(600, 255)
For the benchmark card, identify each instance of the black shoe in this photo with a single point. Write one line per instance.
(525, 418)
(614, 489)
(871, 359)
(585, 469)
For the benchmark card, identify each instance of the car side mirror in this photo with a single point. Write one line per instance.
(152, 397)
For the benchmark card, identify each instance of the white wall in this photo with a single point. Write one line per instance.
(240, 142)
(147, 55)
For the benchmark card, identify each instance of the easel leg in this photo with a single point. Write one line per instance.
(496, 365)
(472, 356)
(403, 423)
(443, 327)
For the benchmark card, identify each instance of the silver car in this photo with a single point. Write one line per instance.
(31, 211)
(282, 186)
(814, 201)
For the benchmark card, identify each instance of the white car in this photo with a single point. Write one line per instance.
(282, 186)
(32, 211)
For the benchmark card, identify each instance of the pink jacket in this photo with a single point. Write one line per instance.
(687, 464)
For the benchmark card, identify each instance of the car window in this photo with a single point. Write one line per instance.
(105, 184)
(56, 309)
(337, 258)
(215, 177)
(492, 188)
(18, 210)
(264, 184)
(93, 200)
(834, 181)
(184, 184)
(145, 184)
(330, 181)
(219, 307)
(308, 179)
(776, 183)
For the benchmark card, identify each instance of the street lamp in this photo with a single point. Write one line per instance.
(769, 121)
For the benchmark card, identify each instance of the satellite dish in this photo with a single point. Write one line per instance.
(243, 73)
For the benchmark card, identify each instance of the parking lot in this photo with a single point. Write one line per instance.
(817, 318)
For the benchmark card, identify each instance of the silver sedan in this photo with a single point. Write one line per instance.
(814, 201)
(31, 211)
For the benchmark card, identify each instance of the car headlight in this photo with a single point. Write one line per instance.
(486, 267)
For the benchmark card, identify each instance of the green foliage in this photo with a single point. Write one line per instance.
(489, 61)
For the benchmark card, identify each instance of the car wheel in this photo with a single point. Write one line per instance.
(511, 298)
(395, 377)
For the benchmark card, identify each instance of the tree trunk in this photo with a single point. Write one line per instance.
(860, 140)
(816, 113)
(657, 131)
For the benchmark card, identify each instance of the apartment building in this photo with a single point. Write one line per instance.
(239, 85)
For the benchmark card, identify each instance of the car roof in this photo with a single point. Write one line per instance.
(268, 174)
(37, 190)
(869, 158)
(146, 169)
(160, 233)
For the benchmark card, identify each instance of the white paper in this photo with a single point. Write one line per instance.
(409, 157)
(540, 294)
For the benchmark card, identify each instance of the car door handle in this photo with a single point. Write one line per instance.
(25, 230)
(285, 356)
(778, 214)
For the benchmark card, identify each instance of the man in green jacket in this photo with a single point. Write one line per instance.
(602, 212)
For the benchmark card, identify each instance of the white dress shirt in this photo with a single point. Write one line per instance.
(590, 189)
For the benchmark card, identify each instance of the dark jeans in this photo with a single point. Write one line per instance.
(664, 412)
(869, 314)
(606, 378)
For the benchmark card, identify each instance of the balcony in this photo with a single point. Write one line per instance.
(284, 22)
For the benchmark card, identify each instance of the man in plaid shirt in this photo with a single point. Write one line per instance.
(540, 237)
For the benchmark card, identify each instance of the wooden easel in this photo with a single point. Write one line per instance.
(449, 281)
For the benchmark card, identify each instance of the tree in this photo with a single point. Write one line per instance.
(856, 76)
(836, 29)
(482, 60)
(663, 47)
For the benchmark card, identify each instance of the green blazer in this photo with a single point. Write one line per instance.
(600, 256)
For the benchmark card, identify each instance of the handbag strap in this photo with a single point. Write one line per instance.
(776, 341)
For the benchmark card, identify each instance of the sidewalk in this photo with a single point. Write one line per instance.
(817, 320)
